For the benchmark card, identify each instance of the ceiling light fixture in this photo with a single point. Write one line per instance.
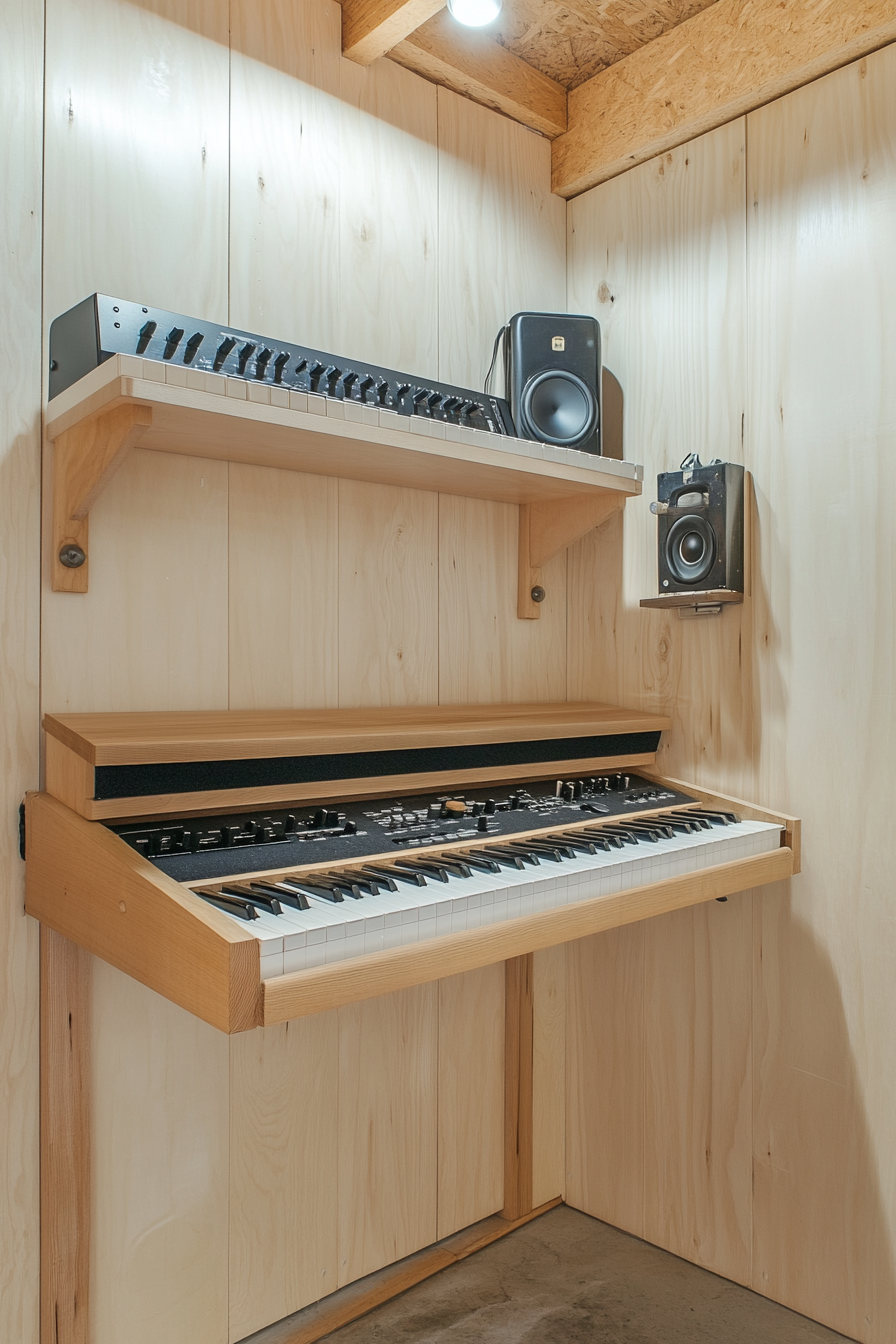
(474, 13)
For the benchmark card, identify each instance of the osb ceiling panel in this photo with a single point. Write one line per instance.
(572, 42)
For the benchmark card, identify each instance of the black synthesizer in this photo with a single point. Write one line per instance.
(100, 327)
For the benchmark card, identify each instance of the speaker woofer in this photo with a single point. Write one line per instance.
(558, 407)
(690, 549)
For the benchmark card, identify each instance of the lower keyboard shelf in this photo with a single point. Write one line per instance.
(87, 884)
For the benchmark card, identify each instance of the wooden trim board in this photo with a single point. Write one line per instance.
(357, 1299)
(371, 27)
(519, 1005)
(729, 59)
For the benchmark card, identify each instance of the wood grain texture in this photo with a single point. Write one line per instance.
(732, 57)
(371, 27)
(159, 1157)
(485, 650)
(492, 187)
(284, 1164)
(88, 885)
(388, 1119)
(21, 36)
(471, 1098)
(64, 1141)
(388, 596)
(85, 458)
(519, 975)
(549, 1075)
(822, 185)
(283, 583)
(472, 64)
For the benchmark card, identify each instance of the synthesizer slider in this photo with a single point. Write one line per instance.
(260, 866)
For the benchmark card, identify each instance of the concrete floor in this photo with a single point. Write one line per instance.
(568, 1279)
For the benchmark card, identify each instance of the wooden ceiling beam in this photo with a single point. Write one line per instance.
(371, 27)
(474, 65)
(731, 58)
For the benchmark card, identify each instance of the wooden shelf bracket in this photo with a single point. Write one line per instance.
(86, 458)
(548, 527)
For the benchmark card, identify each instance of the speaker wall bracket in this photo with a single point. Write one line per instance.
(695, 604)
(550, 526)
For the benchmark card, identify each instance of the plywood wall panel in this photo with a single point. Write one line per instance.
(283, 589)
(471, 1097)
(605, 1083)
(698, 1085)
(821, 436)
(152, 631)
(658, 256)
(388, 595)
(159, 1159)
(549, 1075)
(283, 1169)
(388, 1118)
(21, 32)
(486, 653)
(501, 234)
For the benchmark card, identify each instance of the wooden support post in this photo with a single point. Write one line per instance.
(64, 1141)
(518, 1047)
(86, 458)
(550, 526)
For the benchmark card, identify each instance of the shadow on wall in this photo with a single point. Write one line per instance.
(822, 1241)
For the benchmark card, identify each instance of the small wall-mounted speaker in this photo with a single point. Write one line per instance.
(700, 529)
(553, 379)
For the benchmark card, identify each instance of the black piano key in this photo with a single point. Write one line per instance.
(421, 866)
(313, 888)
(609, 838)
(232, 904)
(652, 833)
(259, 898)
(456, 866)
(718, 818)
(581, 843)
(368, 885)
(680, 824)
(504, 856)
(517, 847)
(396, 875)
(478, 861)
(700, 823)
(626, 836)
(341, 882)
(541, 849)
(286, 895)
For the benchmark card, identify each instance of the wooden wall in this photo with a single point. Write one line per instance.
(21, 33)
(731, 1079)
(238, 168)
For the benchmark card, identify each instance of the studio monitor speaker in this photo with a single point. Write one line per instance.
(553, 379)
(700, 528)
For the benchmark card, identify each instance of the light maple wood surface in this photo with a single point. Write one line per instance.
(284, 1170)
(471, 1097)
(21, 37)
(370, 28)
(388, 1126)
(821, 192)
(549, 1074)
(719, 64)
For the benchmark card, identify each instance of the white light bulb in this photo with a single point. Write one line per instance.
(474, 13)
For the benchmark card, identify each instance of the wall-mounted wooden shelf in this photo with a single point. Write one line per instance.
(128, 402)
(710, 602)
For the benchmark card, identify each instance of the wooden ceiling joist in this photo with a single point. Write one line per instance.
(731, 58)
(472, 64)
(371, 27)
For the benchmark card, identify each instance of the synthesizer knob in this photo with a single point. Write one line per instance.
(568, 792)
(490, 807)
(192, 346)
(146, 333)
(382, 392)
(364, 386)
(454, 807)
(350, 828)
(222, 352)
(514, 801)
(280, 364)
(172, 341)
(482, 823)
(578, 788)
(245, 351)
(319, 819)
(476, 809)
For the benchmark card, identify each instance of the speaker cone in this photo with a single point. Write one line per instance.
(690, 548)
(558, 407)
